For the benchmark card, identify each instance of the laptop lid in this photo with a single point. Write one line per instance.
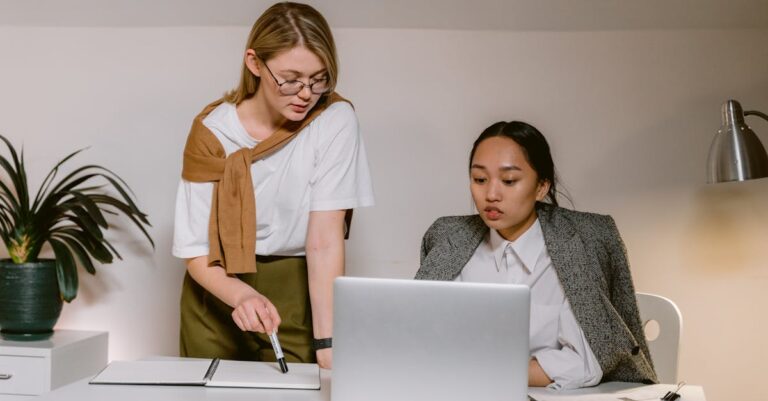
(429, 340)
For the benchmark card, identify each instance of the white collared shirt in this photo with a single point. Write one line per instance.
(323, 168)
(556, 339)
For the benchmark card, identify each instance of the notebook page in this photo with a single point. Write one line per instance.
(173, 372)
(265, 375)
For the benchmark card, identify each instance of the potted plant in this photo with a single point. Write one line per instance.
(69, 215)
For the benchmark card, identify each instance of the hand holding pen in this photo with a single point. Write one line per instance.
(254, 312)
(278, 351)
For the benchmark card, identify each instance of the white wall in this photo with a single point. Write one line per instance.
(629, 115)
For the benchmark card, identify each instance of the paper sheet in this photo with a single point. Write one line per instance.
(265, 375)
(638, 393)
(185, 372)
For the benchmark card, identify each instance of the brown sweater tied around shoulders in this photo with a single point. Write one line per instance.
(232, 224)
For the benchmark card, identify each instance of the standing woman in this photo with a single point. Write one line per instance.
(585, 327)
(271, 174)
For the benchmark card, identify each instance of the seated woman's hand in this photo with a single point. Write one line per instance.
(256, 313)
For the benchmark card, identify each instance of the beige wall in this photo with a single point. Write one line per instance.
(629, 115)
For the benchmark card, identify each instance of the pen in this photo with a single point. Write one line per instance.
(278, 352)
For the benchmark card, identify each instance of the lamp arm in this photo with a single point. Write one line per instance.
(756, 113)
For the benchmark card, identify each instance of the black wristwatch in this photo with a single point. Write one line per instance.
(321, 343)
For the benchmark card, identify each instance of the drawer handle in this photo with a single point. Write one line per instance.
(5, 376)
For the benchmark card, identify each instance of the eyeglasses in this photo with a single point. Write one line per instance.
(294, 86)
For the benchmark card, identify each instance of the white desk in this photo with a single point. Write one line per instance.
(615, 390)
(82, 391)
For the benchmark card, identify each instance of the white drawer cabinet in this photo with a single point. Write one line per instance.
(36, 367)
(23, 374)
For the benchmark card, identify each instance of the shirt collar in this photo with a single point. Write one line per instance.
(498, 244)
(224, 119)
(528, 246)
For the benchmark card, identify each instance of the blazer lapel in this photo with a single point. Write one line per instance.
(470, 234)
(563, 245)
(570, 260)
(447, 258)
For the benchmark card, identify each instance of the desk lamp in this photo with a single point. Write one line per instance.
(736, 153)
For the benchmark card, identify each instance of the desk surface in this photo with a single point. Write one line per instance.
(612, 391)
(82, 391)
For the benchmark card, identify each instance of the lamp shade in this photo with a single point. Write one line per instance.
(736, 153)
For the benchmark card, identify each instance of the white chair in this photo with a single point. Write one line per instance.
(657, 310)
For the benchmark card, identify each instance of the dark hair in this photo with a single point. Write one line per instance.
(535, 148)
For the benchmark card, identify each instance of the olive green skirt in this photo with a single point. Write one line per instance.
(208, 331)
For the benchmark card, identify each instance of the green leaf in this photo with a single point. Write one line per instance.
(7, 195)
(80, 252)
(59, 192)
(118, 204)
(49, 179)
(123, 192)
(84, 221)
(92, 245)
(5, 217)
(109, 212)
(90, 206)
(12, 170)
(18, 178)
(115, 181)
(10, 147)
(104, 250)
(87, 190)
(75, 178)
(66, 270)
(118, 183)
(108, 200)
(23, 188)
(111, 249)
(143, 230)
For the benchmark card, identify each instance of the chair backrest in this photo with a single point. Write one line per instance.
(661, 315)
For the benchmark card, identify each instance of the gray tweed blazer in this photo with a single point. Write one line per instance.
(591, 262)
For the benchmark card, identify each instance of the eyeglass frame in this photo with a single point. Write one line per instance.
(303, 85)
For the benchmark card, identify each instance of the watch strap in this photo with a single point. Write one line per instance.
(321, 343)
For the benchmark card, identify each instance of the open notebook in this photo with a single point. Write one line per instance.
(210, 373)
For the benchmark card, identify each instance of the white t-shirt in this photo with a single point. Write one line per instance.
(556, 339)
(323, 168)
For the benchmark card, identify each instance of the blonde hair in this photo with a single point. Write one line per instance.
(282, 27)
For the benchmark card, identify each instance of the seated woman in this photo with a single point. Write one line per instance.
(585, 327)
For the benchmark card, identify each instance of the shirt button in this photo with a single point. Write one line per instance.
(636, 350)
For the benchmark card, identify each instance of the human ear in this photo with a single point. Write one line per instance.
(252, 62)
(542, 190)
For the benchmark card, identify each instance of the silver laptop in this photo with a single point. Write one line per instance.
(400, 340)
